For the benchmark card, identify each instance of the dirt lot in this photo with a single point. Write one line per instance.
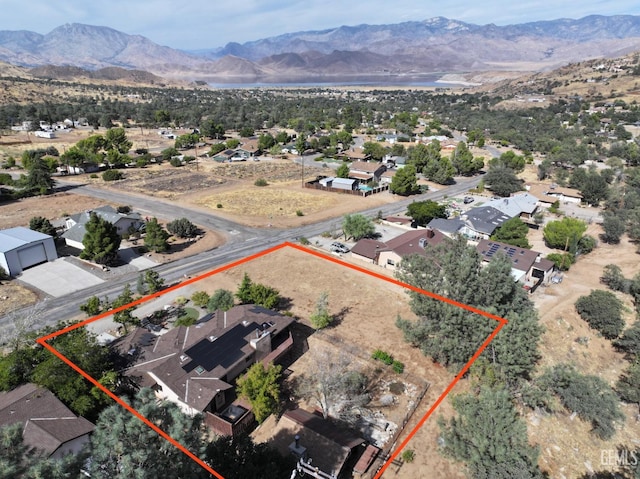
(568, 447)
(367, 308)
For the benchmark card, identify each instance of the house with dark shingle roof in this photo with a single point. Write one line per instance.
(527, 266)
(482, 221)
(195, 366)
(48, 425)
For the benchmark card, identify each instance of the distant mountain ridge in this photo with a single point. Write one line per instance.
(410, 49)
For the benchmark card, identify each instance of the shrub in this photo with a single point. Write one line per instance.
(408, 455)
(304, 241)
(562, 261)
(397, 366)
(603, 311)
(200, 298)
(6, 179)
(112, 175)
(219, 205)
(175, 161)
(182, 228)
(299, 213)
(261, 182)
(383, 356)
(188, 317)
(181, 300)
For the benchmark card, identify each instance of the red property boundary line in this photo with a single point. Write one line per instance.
(43, 341)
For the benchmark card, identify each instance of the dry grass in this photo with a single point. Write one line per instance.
(14, 296)
(269, 201)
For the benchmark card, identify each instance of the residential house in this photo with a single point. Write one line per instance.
(411, 242)
(355, 154)
(366, 171)
(549, 194)
(321, 446)
(448, 227)
(523, 205)
(75, 224)
(527, 266)
(389, 254)
(481, 222)
(47, 424)
(195, 366)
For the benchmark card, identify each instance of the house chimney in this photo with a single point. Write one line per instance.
(297, 439)
(430, 233)
(257, 332)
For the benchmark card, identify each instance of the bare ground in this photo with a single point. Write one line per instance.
(567, 447)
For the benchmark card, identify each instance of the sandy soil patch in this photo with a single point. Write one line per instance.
(567, 446)
(14, 296)
(57, 205)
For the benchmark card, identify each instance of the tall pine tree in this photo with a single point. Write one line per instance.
(101, 241)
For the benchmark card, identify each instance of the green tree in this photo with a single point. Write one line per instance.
(122, 446)
(502, 180)
(38, 180)
(169, 153)
(589, 396)
(186, 141)
(153, 281)
(628, 385)
(93, 306)
(564, 234)
(440, 172)
(217, 148)
(357, 226)
(454, 269)
(594, 188)
(343, 170)
(463, 161)
(156, 237)
(629, 342)
(513, 232)
(238, 457)
(603, 311)
(562, 261)
(244, 290)
(510, 160)
(125, 316)
(423, 212)
(489, 436)
(212, 129)
(373, 149)
(613, 227)
(182, 228)
(232, 143)
(116, 139)
(266, 141)
(42, 225)
(261, 387)
(405, 181)
(264, 296)
(81, 347)
(101, 241)
(321, 318)
(221, 299)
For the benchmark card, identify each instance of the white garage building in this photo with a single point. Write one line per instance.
(21, 247)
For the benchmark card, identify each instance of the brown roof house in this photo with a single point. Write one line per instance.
(527, 266)
(195, 366)
(319, 444)
(389, 254)
(48, 425)
(366, 170)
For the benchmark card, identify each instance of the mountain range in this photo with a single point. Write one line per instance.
(409, 49)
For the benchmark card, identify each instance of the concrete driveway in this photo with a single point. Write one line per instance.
(58, 278)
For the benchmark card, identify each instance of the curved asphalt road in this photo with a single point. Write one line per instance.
(241, 242)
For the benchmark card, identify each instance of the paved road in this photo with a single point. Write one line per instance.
(242, 242)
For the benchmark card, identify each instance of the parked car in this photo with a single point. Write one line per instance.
(468, 199)
(338, 247)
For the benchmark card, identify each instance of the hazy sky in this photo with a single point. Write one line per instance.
(194, 24)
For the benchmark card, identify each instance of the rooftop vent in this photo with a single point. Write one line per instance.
(183, 358)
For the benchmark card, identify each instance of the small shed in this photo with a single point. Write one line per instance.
(21, 248)
(344, 184)
(326, 182)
